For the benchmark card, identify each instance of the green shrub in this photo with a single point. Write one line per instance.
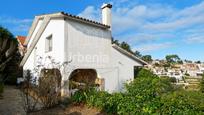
(182, 102)
(143, 94)
(113, 103)
(173, 79)
(145, 73)
(79, 97)
(97, 99)
(187, 74)
(147, 94)
(91, 97)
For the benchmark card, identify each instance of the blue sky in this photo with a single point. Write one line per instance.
(155, 27)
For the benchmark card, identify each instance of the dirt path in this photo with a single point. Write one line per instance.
(70, 110)
(11, 104)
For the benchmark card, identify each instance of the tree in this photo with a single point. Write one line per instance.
(138, 54)
(180, 62)
(188, 61)
(173, 58)
(198, 62)
(116, 42)
(8, 48)
(126, 47)
(147, 58)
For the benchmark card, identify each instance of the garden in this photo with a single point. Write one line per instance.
(147, 94)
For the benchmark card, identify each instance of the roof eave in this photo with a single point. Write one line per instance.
(129, 54)
(84, 20)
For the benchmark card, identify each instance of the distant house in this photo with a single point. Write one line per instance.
(84, 45)
(191, 68)
(21, 46)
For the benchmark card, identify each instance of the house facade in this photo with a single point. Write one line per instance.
(75, 43)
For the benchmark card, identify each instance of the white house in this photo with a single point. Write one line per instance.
(81, 44)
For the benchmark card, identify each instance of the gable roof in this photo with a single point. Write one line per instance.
(21, 39)
(63, 15)
(46, 19)
(84, 19)
(118, 48)
(35, 39)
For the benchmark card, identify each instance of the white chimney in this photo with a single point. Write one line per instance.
(106, 14)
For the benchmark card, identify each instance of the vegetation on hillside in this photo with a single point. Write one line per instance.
(170, 59)
(173, 59)
(147, 94)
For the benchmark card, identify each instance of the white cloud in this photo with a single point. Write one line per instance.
(142, 24)
(135, 39)
(21, 28)
(10, 20)
(153, 47)
(91, 13)
(15, 24)
(195, 39)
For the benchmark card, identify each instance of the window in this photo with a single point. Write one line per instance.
(48, 44)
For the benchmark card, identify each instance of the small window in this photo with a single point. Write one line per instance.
(48, 44)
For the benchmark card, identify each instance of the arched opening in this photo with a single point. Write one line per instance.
(82, 78)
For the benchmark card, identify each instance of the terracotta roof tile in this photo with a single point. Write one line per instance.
(21, 39)
(84, 19)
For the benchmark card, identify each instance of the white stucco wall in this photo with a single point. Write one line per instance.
(34, 32)
(54, 28)
(85, 47)
(125, 68)
(85, 42)
(89, 47)
(88, 41)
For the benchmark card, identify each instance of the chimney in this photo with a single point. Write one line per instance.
(106, 14)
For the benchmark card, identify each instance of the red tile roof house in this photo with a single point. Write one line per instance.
(21, 46)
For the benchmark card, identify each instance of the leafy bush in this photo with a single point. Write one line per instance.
(91, 97)
(143, 94)
(145, 73)
(97, 99)
(113, 103)
(79, 97)
(147, 94)
(182, 102)
(173, 79)
(187, 74)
